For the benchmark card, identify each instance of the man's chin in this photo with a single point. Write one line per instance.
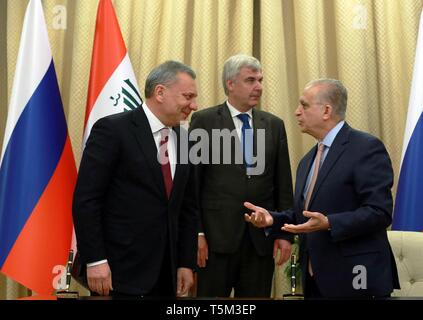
(183, 119)
(253, 104)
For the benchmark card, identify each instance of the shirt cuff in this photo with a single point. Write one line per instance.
(92, 264)
(267, 231)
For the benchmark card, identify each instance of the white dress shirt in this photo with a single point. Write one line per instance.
(156, 125)
(237, 121)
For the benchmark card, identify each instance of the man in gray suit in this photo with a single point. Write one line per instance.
(231, 253)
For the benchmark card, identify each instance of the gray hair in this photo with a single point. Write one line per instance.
(335, 94)
(165, 74)
(234, 64)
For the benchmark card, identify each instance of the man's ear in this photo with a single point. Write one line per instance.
(158, 92)
(230, 84)
(327, 111)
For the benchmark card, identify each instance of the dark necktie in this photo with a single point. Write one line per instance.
(164, 161)
(246, 139)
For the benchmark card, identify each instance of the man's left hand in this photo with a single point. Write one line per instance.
(184, 281)
(317, 222)
(285, 248)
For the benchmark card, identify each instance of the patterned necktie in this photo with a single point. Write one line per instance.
(317, 159)
(246, 139)
(164, 161)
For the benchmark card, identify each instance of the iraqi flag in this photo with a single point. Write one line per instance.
(408, 213)
(113, 87)
(37, 167)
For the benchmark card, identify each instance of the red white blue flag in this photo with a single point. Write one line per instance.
(113, 87)
(37, 167)
(408, 212)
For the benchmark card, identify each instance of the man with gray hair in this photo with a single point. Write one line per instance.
(231, 253)
(134, 209)
(342, 204)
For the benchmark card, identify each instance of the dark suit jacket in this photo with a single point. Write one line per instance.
(353, 189)
(225, 187)
(121, 211)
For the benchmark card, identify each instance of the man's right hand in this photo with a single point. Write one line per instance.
(259, 217)
(202, 252)
(100, 279)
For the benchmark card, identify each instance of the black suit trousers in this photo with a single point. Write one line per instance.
(246, 272)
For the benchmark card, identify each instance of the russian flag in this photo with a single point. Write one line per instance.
(37, 167)
(408, 212)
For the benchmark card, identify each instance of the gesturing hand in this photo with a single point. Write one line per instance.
(317, 221)
(260, 217)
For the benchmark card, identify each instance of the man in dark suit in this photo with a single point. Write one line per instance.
(134, 209)
(342, 204)
(231, 253)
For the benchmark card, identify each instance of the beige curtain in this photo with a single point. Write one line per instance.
(368, 44)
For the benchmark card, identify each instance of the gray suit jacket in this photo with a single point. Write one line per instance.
(225, 187)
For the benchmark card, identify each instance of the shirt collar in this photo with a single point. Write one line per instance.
(234, 112)
(155, 124)
(330, 137)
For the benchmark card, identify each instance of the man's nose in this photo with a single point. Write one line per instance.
(193, 106)
(297, 111)
(259, 85)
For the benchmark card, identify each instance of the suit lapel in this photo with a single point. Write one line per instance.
(180, 169)
(336, 150)
(259, 123)
(227, 121)
(144, 136)
(302, 176)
